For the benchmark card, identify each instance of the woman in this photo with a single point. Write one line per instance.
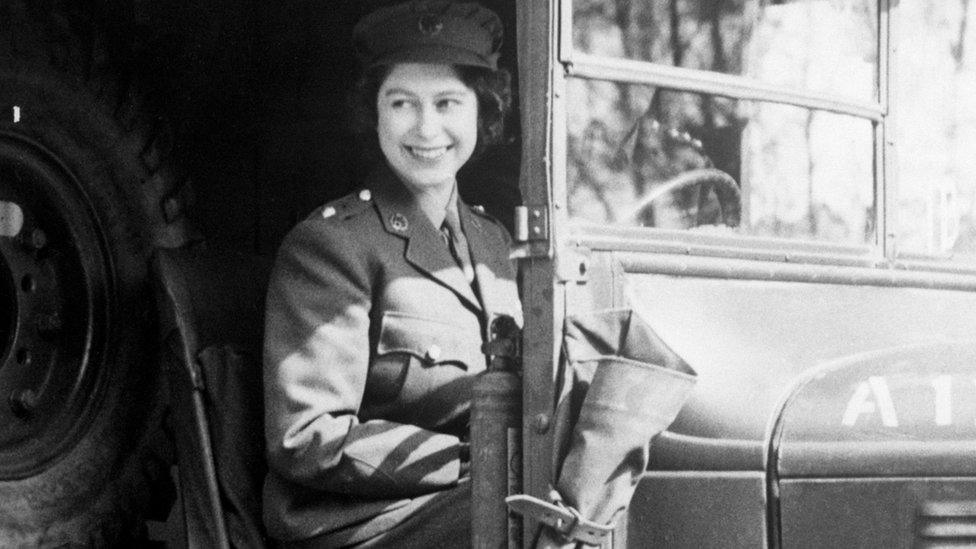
(380, 301)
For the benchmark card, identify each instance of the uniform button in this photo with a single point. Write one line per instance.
(328, 212)
(480, 209)
(365, 195)
(433, 353)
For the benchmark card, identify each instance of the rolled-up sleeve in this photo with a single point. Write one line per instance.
(317, 353)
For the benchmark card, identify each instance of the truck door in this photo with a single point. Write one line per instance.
(781, 190)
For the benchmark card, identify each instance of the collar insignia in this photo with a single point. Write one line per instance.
(398, 222)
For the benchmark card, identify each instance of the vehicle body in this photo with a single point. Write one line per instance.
(829, 314)
(831, 330)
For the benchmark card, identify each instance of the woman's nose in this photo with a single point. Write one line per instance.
(428, 122)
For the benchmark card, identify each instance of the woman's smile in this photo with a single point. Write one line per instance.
(427, 153)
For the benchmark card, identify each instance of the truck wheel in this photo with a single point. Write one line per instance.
(86, 193)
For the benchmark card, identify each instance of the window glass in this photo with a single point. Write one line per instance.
(935, 128)
(813, 45)
(642, 156)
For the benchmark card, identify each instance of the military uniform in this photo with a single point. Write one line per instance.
(373, 338)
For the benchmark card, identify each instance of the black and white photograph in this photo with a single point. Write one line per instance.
(491, 274)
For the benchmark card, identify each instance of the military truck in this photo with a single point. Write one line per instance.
(782, 190)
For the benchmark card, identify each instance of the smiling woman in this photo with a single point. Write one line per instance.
(427, 126)
(491, 87)
(379, 302)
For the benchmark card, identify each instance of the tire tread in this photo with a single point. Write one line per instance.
(43, 43)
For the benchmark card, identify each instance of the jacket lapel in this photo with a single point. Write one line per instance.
(489, 264)
(427, 252)
(426, 249)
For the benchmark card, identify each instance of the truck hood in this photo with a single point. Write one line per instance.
(800, 365)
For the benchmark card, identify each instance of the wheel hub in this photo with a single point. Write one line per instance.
(53, 296)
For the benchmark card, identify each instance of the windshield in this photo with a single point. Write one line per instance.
(772, 119)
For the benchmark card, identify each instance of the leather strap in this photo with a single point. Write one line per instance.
(560, 517)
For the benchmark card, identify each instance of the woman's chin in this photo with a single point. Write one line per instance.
(428, 179)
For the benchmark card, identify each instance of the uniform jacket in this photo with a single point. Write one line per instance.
(372, 339)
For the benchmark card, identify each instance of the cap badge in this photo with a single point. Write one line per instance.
(430, 24)
(398, 222)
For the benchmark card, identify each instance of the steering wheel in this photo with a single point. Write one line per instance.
(649, 211)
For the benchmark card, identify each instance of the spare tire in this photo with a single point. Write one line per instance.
(86, 193)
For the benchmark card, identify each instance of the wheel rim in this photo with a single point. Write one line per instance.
(54, 283)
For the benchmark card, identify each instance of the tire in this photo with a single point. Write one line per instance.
(86, 193)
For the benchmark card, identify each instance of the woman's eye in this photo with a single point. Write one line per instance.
(398, 103)
(445, 104)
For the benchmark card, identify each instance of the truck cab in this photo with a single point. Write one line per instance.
(824, 297)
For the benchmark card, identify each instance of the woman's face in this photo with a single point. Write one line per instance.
(427, 121)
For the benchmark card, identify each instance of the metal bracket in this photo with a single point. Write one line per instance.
(573, 264)
(531, 223)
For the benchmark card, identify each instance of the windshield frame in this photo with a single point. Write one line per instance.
(883, 253)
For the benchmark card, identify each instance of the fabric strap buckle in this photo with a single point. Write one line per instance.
(562, 518)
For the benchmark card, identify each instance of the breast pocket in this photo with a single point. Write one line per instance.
(422, 370)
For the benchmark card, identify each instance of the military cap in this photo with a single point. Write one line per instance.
(429, 31)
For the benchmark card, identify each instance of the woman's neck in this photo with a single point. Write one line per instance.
(433, 201)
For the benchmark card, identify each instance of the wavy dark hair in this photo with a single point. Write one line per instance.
(492, 88)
